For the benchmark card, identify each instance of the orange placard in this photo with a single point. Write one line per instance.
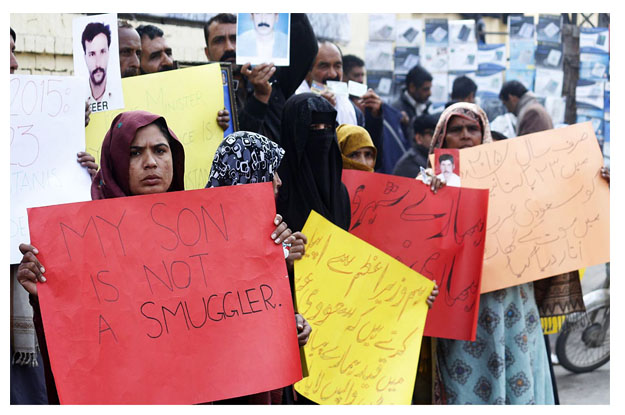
(548, 209)
(174, 298)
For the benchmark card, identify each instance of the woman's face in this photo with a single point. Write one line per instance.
(462, 133)
(363, 156)
(151, 163)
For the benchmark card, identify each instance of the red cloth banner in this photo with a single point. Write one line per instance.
(441, 236)
(173, 298)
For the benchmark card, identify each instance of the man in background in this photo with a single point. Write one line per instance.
(156, 55)
(129, 49)
(414, 98)
(393, 142)
(409, 165)
(531, 116)
(462, 90)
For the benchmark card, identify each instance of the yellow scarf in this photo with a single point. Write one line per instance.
(352, 138)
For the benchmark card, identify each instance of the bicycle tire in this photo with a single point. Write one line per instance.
(584, 342)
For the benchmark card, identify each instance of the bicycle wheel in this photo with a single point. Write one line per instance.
(584, 343)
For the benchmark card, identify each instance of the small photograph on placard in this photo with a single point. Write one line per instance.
(447, 165)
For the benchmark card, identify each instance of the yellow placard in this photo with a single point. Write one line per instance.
(367, 312)
(189, 99)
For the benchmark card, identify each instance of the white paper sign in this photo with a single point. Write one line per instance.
(356, 89)
(338, 88)
(47, 130)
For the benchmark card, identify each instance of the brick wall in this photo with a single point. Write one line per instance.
(44, 42)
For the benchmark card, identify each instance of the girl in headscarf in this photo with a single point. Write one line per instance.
(507, 363)
(140, 155)
(357, 149)
(246, 157)
(311, 170)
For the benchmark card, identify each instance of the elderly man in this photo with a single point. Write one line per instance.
(156, 56)
(262, 90)
(129, 49)
(96, 40)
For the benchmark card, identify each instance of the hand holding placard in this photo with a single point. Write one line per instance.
(149, 299)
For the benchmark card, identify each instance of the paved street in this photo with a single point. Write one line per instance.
(586, 388)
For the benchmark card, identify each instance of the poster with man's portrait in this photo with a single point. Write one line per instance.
(447, 165)
(263, 38)
(96, 58)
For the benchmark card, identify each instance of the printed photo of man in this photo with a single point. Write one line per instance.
(266, 41)
(95, 46)
(96, 40)
(447, 166)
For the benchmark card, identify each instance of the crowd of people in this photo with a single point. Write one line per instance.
(306, 139)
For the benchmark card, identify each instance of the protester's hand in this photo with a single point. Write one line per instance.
(329, 95)
(298, 248)
(88, 162)
(432, 297)
(87, 113)
(282, 231)
(223, 119)
(436, 184)
(259, 78)
(405, 119)
(372, 101)
(30, 270)
(605, 173)
(303, 329)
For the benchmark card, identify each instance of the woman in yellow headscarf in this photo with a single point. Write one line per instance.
(357, 149)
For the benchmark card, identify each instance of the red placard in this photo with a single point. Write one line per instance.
(174, 298)
(441, 236)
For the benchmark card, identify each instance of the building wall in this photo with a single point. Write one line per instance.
(44, 42)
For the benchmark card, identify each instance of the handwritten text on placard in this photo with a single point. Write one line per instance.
(441, 236)
(367, 312)
(46, 132)
(166, 299)
(549, 208)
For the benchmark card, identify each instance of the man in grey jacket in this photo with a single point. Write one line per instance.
(532, 117)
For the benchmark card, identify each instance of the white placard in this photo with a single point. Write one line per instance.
(47, 130)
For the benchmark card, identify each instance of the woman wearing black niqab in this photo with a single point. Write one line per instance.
(312, 166)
